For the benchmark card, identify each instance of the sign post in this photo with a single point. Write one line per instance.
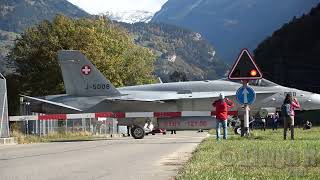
(245, 69)
(245, 129)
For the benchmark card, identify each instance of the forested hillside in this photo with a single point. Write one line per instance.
(291, 55)
(6, 43)
(16, 15)
(179, 51)
(231, 25)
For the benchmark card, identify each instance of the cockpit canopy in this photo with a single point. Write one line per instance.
(260, 82)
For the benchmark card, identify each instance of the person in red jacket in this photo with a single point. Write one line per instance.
(288, 119)
(222, 105)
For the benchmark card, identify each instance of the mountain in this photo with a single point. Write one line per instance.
(290, 56)
(16, 15)
(6, 43)
(130, 16)
(178, 51)
(232, 25)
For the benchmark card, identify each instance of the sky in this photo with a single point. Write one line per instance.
(101, 6)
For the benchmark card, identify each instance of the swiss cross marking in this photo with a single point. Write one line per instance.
(86, 70)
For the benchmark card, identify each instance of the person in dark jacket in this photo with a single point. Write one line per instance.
(221, 112)
(274, 119)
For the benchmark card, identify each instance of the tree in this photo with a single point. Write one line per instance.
(290, 57)
(107, 45)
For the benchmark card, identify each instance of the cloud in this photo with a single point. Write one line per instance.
(100, 6)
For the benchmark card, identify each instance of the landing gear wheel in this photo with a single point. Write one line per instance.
(137, 132)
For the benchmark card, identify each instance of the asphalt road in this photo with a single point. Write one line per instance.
(155, 157)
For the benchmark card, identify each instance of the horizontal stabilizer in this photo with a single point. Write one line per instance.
(52, 103)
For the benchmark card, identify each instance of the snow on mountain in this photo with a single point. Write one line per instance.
(130, 16)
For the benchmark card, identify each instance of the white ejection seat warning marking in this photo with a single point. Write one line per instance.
(86, 70)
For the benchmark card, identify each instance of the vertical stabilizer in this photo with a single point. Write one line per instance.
(81, 77)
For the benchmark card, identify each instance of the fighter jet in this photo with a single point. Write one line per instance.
(88, 91)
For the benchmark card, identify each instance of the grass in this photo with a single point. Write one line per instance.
(54, 137)
(263, 155)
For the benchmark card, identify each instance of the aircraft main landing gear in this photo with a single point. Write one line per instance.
(137, 132)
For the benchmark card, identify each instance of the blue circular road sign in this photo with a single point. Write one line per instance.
(245, 95)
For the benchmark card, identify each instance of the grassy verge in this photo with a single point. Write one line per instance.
(263, 155)
(54, 137)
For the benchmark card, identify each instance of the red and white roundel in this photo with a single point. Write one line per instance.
(86, 70)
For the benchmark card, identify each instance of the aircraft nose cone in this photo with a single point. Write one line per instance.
(315, 101)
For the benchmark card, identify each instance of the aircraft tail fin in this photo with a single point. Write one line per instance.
(81, 77)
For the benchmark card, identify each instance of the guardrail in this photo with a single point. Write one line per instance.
(45, 117)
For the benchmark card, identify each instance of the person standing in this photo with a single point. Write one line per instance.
(274, 119)
(288, 113)
(263, 124)
(221, 105)
(173, 132)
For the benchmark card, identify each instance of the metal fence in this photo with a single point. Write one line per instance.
(4, 124)
(94, 126)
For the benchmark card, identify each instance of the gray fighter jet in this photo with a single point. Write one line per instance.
(87, 91)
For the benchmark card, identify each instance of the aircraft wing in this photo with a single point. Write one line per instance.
(157, 97)
(160, 97)
(52, 103)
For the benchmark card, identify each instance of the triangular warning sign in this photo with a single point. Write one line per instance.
(245, 68)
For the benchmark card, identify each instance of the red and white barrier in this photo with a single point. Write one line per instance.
(46, 117)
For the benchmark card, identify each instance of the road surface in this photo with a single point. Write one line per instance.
(155, 157)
